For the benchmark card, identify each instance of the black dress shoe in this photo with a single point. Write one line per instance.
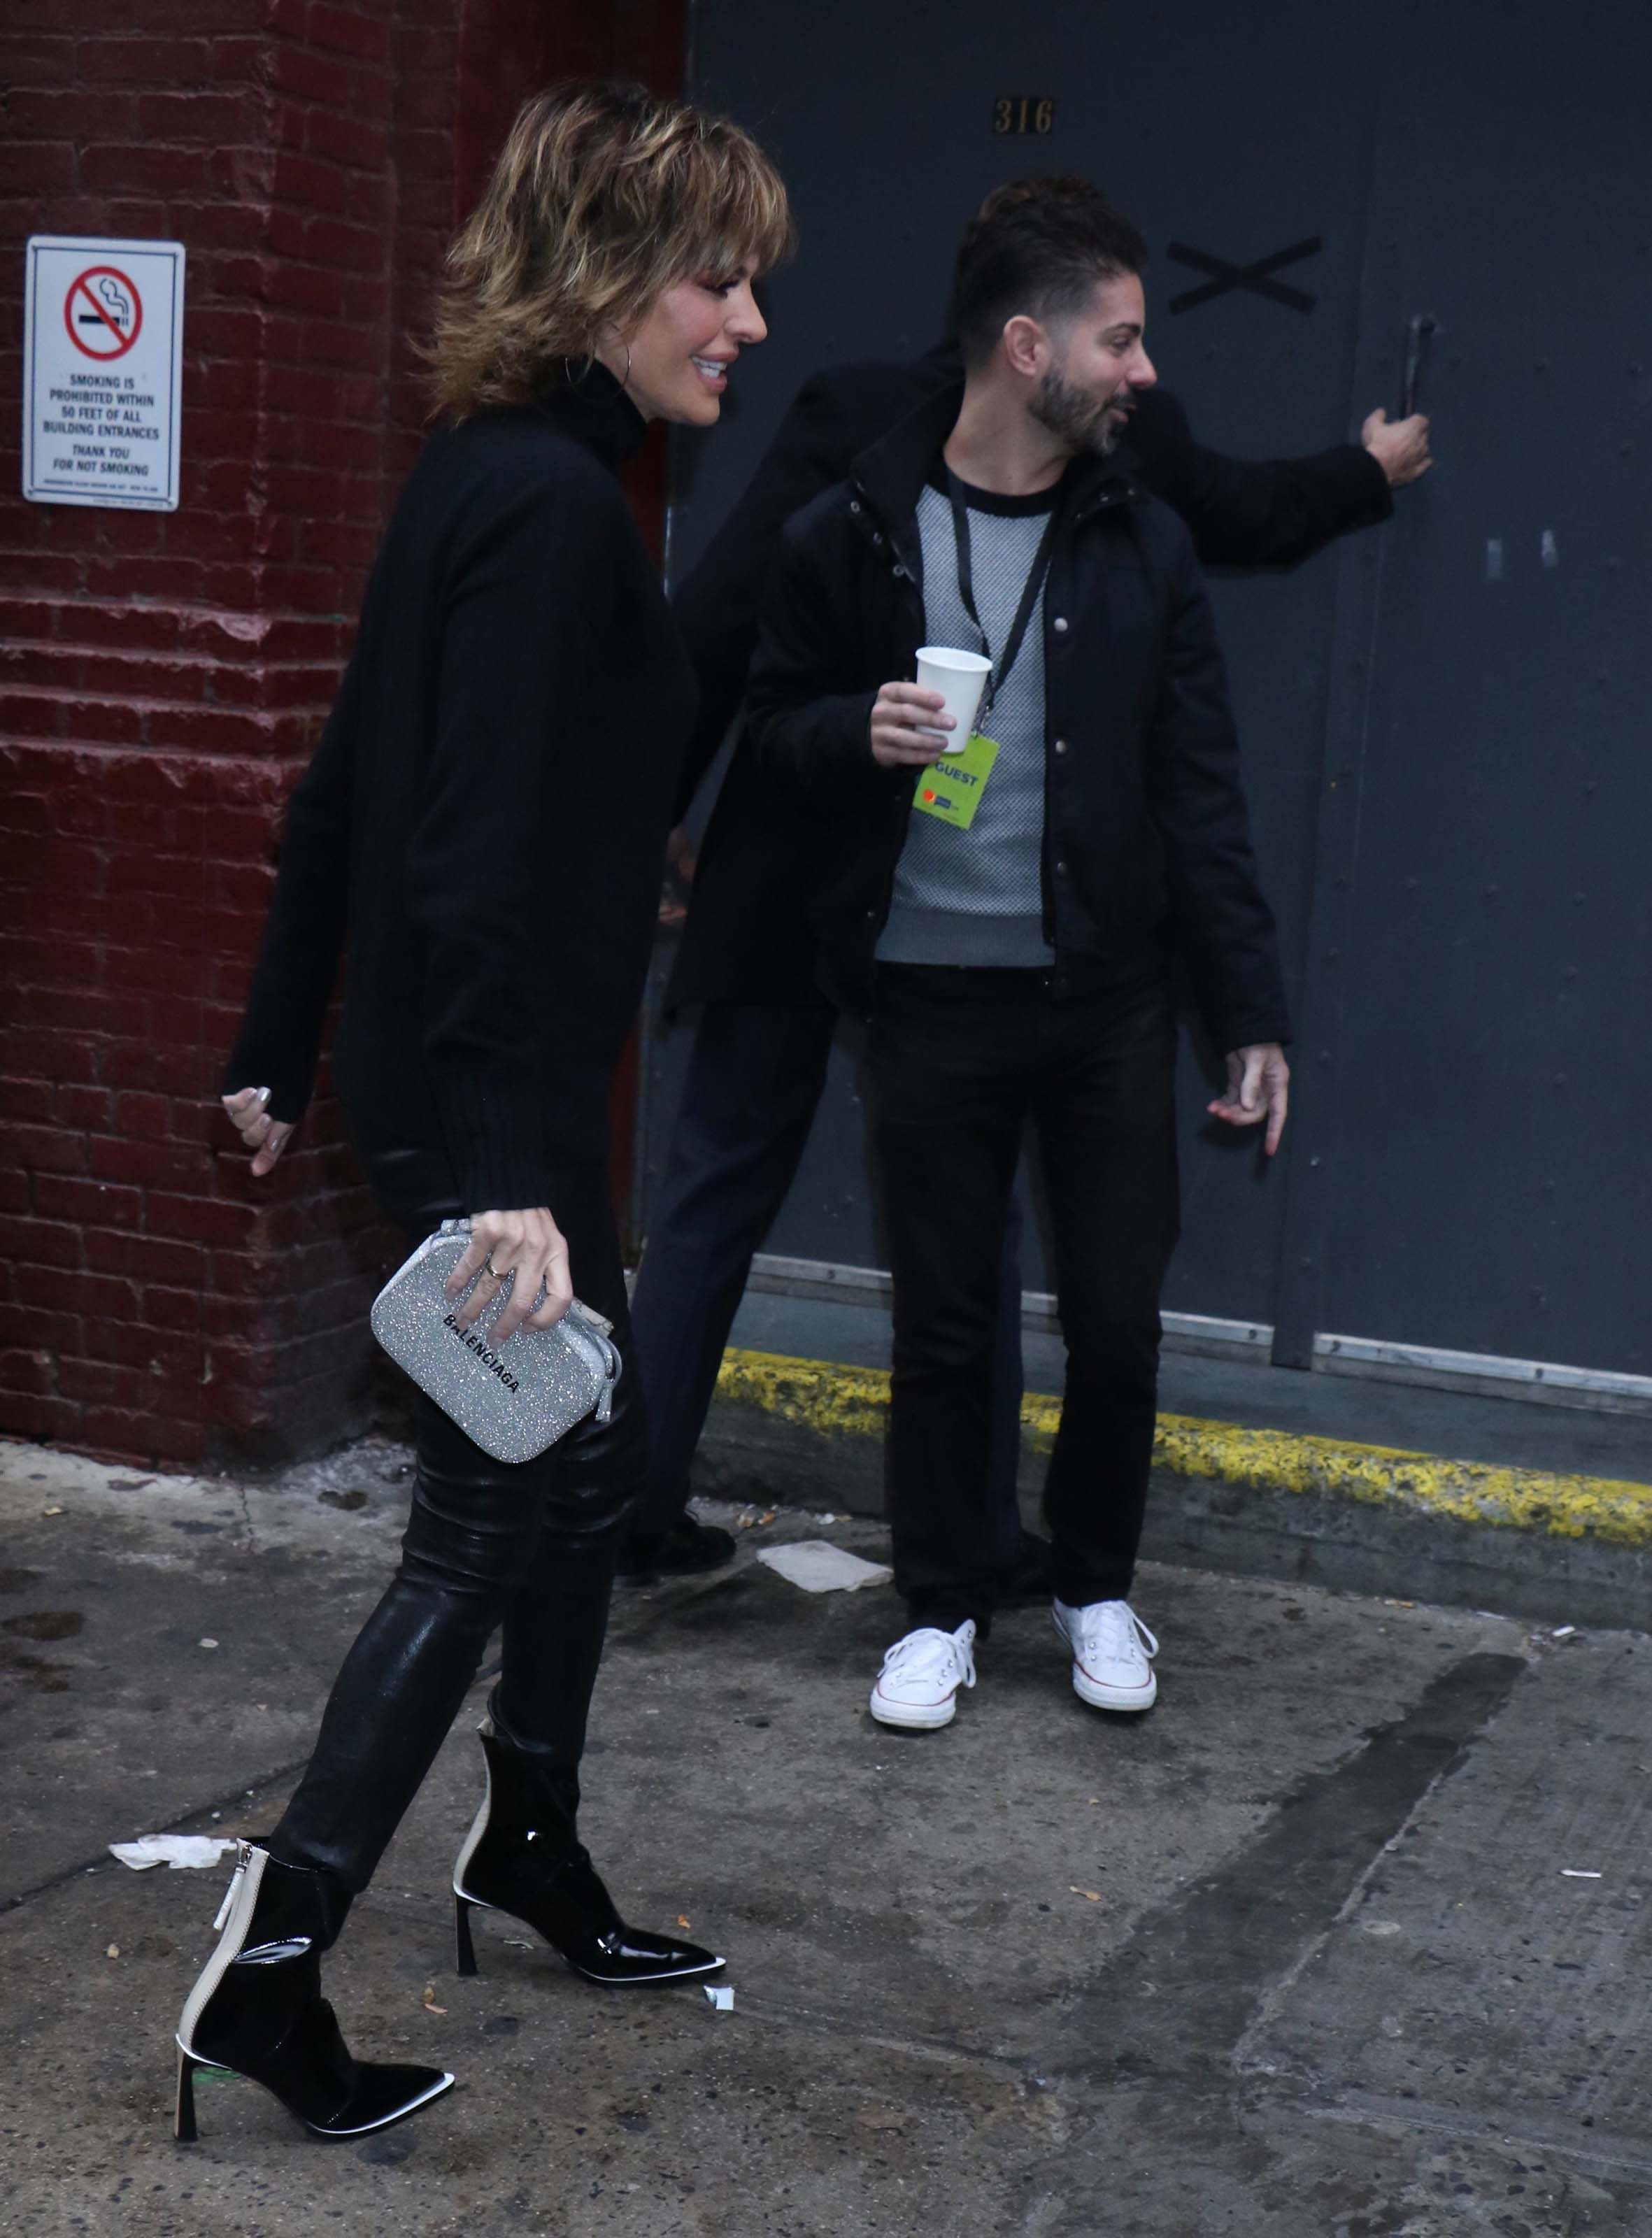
(1031, 1576)
(524, 1856)
(682, 1551)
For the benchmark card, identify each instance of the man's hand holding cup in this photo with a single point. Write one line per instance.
(913, 725)
(909, 726)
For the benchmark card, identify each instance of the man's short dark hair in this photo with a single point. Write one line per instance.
(1036, 249)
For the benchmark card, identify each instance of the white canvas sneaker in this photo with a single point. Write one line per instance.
(1112, 1653)
(921, 1674)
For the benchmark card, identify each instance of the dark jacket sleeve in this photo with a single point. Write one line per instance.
(1255, 513)
(523, 606)
(718, 603)
(1224, 926)
(278, 1044)
(807, 719)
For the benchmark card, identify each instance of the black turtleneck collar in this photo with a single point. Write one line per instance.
(587, 403)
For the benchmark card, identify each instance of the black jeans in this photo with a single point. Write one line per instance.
(754, 1080)
(529, 1546)
(959, 1060)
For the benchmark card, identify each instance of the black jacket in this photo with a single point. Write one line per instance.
(746, 939)
(485, 814)
(1145, 829)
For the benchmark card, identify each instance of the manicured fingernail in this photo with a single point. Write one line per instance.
(263, 1096)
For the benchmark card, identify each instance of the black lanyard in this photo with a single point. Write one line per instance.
(1030, 596)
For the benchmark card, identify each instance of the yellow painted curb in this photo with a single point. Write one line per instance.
(834, 1402)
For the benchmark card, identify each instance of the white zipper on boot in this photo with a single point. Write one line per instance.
(478, 1825)
(235, 1916)
(234, 1889)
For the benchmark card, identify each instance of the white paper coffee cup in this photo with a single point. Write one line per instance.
(960, 677)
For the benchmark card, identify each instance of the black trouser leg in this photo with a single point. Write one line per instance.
(950, 1105)
(1009, 1381)
(753, 1083)
(1105, 1113)
(958, 1057)
(530, 1545)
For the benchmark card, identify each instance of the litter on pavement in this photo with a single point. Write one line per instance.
(177, 1850)
(819, 1567)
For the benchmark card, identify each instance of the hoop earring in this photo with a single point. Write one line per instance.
(592, 359)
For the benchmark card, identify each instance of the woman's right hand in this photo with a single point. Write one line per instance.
(907, 727)
(527, 1244)
(264, 1136)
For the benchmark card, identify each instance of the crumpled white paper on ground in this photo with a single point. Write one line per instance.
(819, 1567)
(177, 1850)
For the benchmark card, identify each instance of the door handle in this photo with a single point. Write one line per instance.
(1421, 325)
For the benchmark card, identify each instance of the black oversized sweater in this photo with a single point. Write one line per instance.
(483, 820)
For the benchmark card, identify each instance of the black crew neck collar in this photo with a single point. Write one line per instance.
(1030, 507)
(588, 404)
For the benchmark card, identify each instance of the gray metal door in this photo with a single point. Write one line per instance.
(883, 121)
(1472, 1171)
(1445, 721)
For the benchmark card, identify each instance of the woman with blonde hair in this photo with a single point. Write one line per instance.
(485, 816)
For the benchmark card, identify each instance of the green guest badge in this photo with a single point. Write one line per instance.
(950, 790)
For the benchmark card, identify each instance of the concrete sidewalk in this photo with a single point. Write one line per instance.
(1347, 1937)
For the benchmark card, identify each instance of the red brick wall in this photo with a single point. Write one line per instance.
(162, 677)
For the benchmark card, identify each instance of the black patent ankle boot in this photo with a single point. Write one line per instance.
(258, 2009)
(524, 1856)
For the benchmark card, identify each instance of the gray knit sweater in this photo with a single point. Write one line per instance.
(976, 896)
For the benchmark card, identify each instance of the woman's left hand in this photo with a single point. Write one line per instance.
(525, 1247)
(264, 1136)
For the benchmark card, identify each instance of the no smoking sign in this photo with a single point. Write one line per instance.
(103, 312)
(103, 345)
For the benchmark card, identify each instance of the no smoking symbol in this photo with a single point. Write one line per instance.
(103, 313)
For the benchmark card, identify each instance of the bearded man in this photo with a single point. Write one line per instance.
(1008, 916)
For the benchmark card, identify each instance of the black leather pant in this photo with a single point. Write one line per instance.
(527, 1545)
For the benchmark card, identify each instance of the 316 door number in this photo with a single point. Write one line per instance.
(1024, 112)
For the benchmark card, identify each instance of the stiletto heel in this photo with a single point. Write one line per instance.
(523, 1858)
(183, 2126)
(464, 1948)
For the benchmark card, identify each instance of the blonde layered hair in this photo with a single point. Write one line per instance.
(604, 196)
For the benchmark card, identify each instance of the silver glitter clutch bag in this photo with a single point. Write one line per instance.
(512, 1403)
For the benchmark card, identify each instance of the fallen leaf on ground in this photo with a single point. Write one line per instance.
(51, 1510)
(1093, 1896)
(683, 1922)
(430, 2004)
(113, 1951)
